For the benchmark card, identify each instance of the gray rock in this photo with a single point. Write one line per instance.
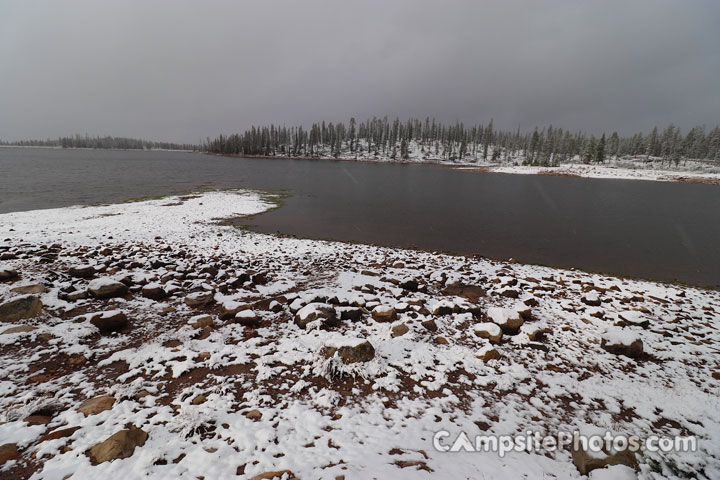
(18, 308)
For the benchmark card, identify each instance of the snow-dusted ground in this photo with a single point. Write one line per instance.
(227, 397)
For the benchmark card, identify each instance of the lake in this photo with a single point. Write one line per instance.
(662, 231)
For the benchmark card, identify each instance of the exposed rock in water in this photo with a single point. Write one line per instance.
(107, 288)
(352, 352)
(110, 321)
(120, 445)
(317, 311)
(93, 406)
(18, 308)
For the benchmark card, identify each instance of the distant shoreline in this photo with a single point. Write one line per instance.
(90, 148)
(611, 170)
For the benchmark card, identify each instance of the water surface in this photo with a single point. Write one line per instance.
(663, 231)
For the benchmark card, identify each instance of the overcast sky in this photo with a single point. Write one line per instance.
(183, 70)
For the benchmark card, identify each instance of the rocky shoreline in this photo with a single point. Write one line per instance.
(149, 339)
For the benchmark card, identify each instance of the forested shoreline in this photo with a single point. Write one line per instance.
(106, 142)
(432, 140)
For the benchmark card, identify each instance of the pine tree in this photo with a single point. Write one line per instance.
(600, 150)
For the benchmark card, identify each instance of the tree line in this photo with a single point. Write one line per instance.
(107, 142)
(429, 139)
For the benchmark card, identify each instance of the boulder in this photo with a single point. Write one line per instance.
(33, 288)
(247, 318)
(153, 291)
(350, 313)
(351, 351)
(230, 308)
(430, 325)
(110, 321)
(199, 299)
(18, 308)
(201, 321)
(409, 284)
(119, 445)
(253, 415)
(400, 330)
(632, 318)
(443, 307)
(592, 299)
(588, 461)
(93, 406)
(488, 330)
(7, 273)
(508, 319)
(19, 329)
(82, 271)
(8, 451)
(56, 434)
(316, 311)
(488, 353)
(280, 474)
(384, 313)
(107, 288)
(622, 342)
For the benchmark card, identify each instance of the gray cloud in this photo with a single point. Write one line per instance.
(183, 70)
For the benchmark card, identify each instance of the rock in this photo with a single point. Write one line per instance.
(280, 474)
(588, 461)
(622, 342)
(93, 406)
(201, 321)
(202, 356)
(247, 318)
(38, 419)
(351, 351)
(29, 289)
(8, 451)
(592, 299)
(77, 295)
(442, 341)
(632, 318)
(19, 329)
(488, 330)
(488, 353)
(153, 291)
(535, 331)
(443, 307)
(253, 415)
(316, 311)
(613, 472)
(110, 321)
(409, 284)
(82, 271)
(430, 325)
(384, 313)
(275, 306)
(107, 288)
(400, 330)
(56, 434)
(200, 399)
(509, 320)
(18, 308)
(350, 313)
(199, 299)
(120, 445)
(230, 308)
(7, 273)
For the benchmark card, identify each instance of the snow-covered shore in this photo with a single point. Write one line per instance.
(208, 351)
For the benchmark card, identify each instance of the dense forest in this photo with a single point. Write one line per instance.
(116, 143)
(430, 140)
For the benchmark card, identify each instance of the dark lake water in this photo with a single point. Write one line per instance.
(663, 231)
